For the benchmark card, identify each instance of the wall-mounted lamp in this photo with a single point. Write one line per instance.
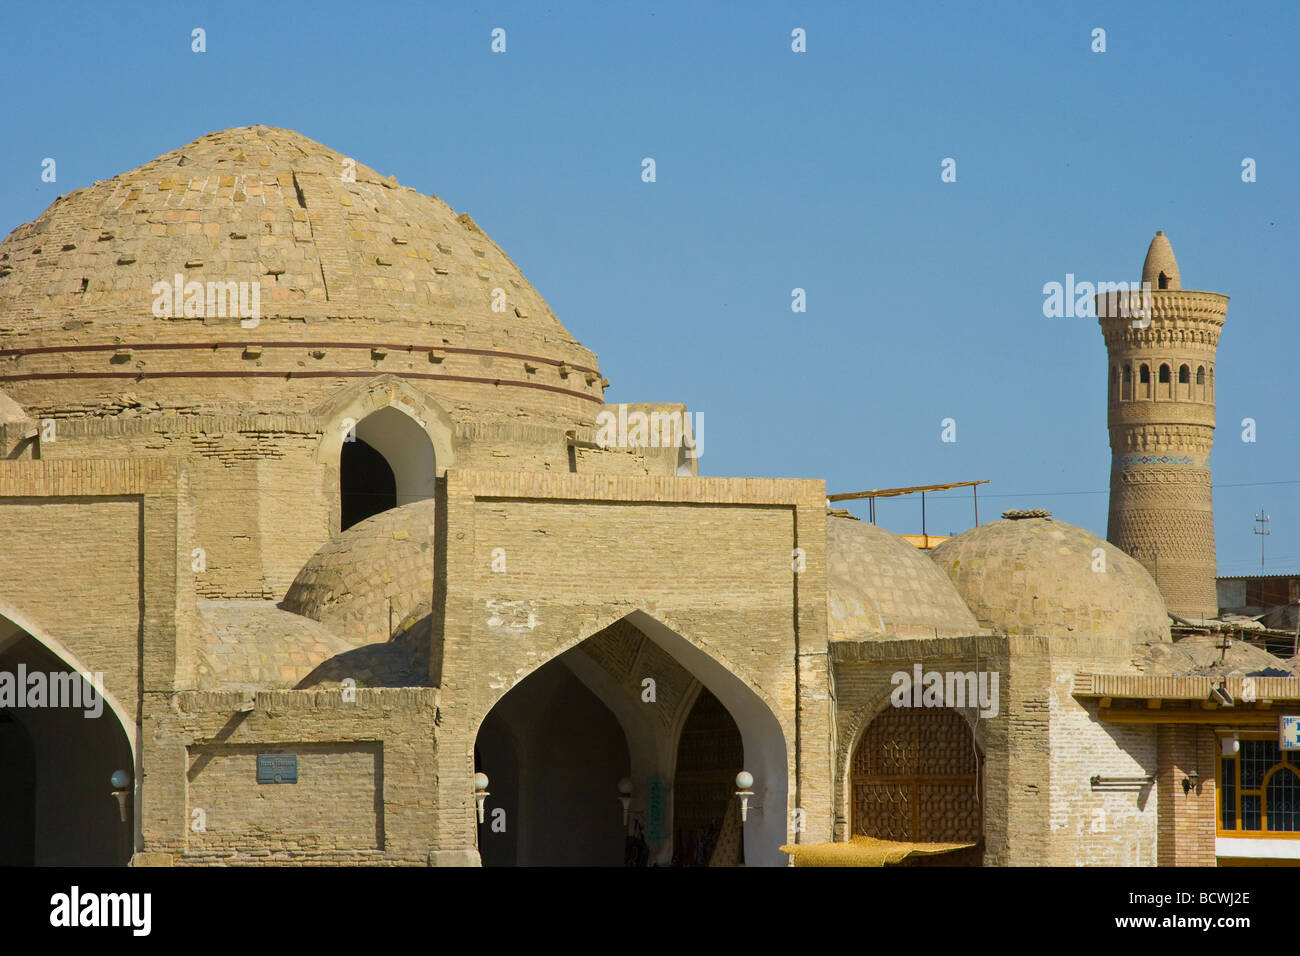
(625, 797)
(745, 790)
(120, 781)
(1230, 745)
(1190, 781)
(481, 793)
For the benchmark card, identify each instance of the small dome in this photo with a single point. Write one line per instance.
(1160, 261)
(252, 645)
(349, 583)
(879, 586)
(1032, 575)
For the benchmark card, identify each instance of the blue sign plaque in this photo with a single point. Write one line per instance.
(1288, 731)
(277, 768)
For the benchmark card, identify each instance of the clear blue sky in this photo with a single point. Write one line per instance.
(779, 170)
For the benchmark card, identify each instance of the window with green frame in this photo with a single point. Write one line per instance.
(1259, 789)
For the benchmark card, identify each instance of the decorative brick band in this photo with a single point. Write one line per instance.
(1127, 461)
(291, 374)
(654, 489)
(213, 346)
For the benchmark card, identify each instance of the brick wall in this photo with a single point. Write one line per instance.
(366, 782)
(1187, 820)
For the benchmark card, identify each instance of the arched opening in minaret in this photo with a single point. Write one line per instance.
(1144, 379)
(1164, 281)
(1127, 393)
(1200, 375)
(1184, 381)
(1166, 381)
(1114, 381)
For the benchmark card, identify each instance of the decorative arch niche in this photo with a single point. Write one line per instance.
(916, 776)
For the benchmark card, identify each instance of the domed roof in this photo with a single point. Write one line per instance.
(152, 277)
(879, 586)
(1033, 575)
(1160, 258)
(254, 645)
(349, 583)
(324, 235)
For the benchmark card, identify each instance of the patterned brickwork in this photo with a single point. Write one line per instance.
(1040, 576)
(1187, 817)
(1161, 433)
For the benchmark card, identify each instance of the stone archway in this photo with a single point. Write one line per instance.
(650, 730)
(61, 740)
(554, 755)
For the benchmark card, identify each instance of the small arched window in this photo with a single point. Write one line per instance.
(1164, 374)
(1144, 375)
(1164, 281)
(1126, 390)
(1200, 375)
(1184, 375)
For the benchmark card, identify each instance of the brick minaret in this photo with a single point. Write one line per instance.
(1161, 419)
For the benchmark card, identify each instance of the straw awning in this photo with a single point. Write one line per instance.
(865, 851)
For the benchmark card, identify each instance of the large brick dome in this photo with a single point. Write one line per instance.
(1033, 575)
(357, 276)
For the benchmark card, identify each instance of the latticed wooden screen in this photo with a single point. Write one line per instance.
(916, 777)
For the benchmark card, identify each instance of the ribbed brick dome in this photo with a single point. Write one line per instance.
(345, 260)
(1033, 575)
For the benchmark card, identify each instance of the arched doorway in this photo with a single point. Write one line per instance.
(706, 813)
(60, 744)
(385, 461)
(917, 777)
(554, 755)
(558, 745)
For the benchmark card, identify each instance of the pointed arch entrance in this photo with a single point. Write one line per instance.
(554, 755)
(61, 741)
(568, 741)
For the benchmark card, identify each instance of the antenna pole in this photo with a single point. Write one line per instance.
(1262, 520)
